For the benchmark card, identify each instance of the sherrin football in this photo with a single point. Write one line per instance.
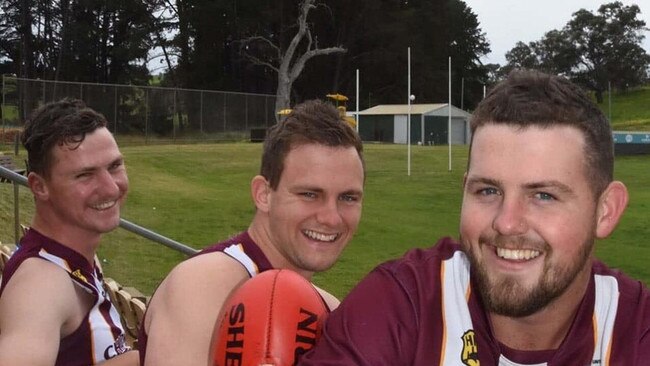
(271, 320)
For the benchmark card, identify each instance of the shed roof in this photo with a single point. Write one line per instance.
(427, 109)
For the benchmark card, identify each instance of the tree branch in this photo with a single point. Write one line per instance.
(300, 63)
(260, 62)
(265, 41)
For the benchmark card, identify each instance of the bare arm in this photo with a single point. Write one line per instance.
(131, 358)
(183, 312)
(35, 307)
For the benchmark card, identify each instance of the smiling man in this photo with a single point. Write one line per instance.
(308, 199)
(53, 309)
(522, 287)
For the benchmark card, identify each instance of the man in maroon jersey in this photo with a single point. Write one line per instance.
(53, 309)
(308, 204)
(522, 287)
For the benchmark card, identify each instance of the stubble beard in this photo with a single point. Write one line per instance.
(507, 296)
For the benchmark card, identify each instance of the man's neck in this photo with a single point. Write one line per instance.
(260, 233)
(547, 328)
(74, 238)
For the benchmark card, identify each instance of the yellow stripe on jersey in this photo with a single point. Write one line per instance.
(605, 309)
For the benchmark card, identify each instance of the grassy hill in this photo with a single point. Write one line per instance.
(630, 111)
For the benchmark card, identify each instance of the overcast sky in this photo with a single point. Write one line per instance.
(505, 22)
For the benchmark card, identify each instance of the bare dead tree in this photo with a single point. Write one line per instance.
(289, 63)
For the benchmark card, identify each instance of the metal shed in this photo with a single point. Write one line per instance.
(429, 123)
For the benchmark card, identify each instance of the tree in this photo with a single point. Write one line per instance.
(592, 49)
(76, 40)
(376, 34)
(608, 47)
(288, 62)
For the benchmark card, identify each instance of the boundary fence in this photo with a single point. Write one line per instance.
(144, 114)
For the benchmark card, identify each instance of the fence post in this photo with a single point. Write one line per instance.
(16, 199)
(201, 115)
(224, 111)
(115, 111)
(146, 117)
(174, 116)
(3, 108)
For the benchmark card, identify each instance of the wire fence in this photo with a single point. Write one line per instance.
(144, 114)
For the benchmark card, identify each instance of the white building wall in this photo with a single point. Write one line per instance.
(458, 131)
(399, 129)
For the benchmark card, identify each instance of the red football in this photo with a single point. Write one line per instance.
(271, 319)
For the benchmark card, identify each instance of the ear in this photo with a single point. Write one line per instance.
(260, 190)
(611, 205)
(38, 185)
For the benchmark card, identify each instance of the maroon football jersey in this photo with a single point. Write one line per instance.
(420, 310)
(100, 335)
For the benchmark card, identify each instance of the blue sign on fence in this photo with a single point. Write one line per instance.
(631, 137)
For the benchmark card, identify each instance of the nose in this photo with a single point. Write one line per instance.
(111, 184)
(329, 214)
(510, 218)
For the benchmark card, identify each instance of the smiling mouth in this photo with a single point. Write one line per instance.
(320, 236)
(517, 254)
(104, 205)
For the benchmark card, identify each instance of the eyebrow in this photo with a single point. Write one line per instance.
(563, 188)
(321, 190)
(90, 169)
(482, 180)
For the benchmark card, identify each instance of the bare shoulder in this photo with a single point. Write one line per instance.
(184, 309)
(34, 283)
(201, 278)
(38, 280)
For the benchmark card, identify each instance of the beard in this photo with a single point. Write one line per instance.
(506, 295)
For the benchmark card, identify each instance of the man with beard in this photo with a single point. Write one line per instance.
(522, 286)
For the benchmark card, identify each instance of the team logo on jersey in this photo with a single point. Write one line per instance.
(469, 355)
(77, 273)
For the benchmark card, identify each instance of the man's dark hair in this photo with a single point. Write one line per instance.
(313, 121)
(530, 98)
(65, 122)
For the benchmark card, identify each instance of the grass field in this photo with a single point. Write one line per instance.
(630, 110)
(198, 194)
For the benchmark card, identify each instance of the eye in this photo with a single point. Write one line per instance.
(489, 191)
(116, 165)
(310, 195)
(82, 175)
(349, 198)
(543, 196)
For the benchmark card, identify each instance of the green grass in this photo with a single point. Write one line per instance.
(199, 194)
(630, 110)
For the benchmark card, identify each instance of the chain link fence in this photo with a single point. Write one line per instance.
(144, 114)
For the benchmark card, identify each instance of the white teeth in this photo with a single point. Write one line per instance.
(319, 236)
(517, 254)
(104, 205)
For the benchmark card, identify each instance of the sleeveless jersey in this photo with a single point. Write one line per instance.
(242, 249)
(100, 335)
(420, 310)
